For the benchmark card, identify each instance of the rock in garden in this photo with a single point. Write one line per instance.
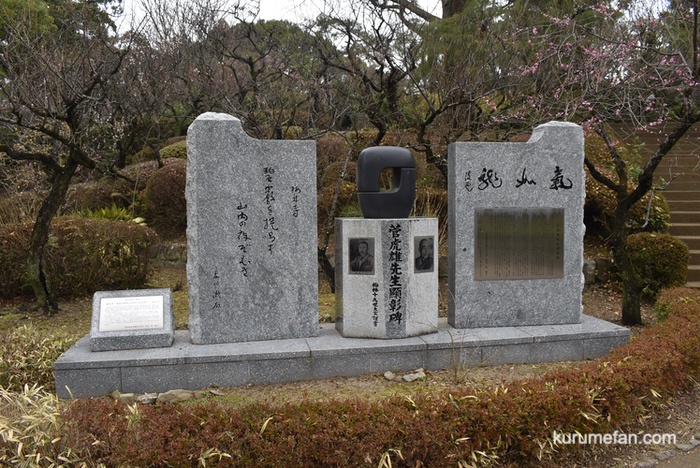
(685, 447)
(174, 396)
(665, 454)
(147, 398)
(647, 464)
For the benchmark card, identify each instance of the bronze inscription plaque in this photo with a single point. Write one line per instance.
(518, 243)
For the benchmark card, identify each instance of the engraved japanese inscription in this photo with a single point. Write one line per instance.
(518, 243)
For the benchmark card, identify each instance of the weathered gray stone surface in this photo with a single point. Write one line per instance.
(251, 234)
(133, 319)
(544, 175)
(396, 299)
(184, 365)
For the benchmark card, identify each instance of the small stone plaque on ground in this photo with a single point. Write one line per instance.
(252, 269)
(134, 319)
(516, 230)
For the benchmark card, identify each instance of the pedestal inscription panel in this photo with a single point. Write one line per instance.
(518, 243)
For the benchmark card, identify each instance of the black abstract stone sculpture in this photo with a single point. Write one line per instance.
(396, 202)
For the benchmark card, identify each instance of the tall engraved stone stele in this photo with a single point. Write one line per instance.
(386, 263)
(516, 230)
(251, 235)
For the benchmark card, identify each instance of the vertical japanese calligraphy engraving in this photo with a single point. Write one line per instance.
(395, 280)
(295, 200)
(243, 239)
(269, 227)
(216, 295)
(375, 304)
(468, 184)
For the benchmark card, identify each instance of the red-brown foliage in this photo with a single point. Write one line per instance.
(515, 422)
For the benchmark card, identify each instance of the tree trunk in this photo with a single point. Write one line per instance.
(36, 269)
(327, 268)
(632, 284)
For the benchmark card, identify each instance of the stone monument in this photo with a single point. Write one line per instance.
(251, 234)
(516, 233)
(386, 272)
(516, 230)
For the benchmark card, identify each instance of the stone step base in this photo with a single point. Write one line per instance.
(693, 242)
(80, 373)
(685, 217)
(682, 195)
(683, 229)
(694, 257)
(693, 273)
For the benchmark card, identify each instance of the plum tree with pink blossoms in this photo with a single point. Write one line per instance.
(600, 66)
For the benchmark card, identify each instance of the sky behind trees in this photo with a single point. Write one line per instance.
(290, 10)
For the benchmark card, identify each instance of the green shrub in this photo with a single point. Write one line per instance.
(112, 213)
(145, 155)
(27, 357)
(176, 150)
(164, 199)
(660, 259)
(82, 256)
(99, 194)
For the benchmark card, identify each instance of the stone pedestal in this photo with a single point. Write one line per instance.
(384, 287)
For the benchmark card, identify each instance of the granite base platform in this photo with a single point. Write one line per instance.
(81, 373)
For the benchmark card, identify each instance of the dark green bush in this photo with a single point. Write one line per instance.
(660, 259)
(112, 190)
(146, 154)
(330, 148)
(164, 199)
(176, 150)
(83, 256)
(346, 196)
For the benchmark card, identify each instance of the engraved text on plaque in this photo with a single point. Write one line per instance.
(518, 243)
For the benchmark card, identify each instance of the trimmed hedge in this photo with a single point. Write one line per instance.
(83, 255)
(660, 259)
(164, 198)
(513, 422)
(176, 150)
